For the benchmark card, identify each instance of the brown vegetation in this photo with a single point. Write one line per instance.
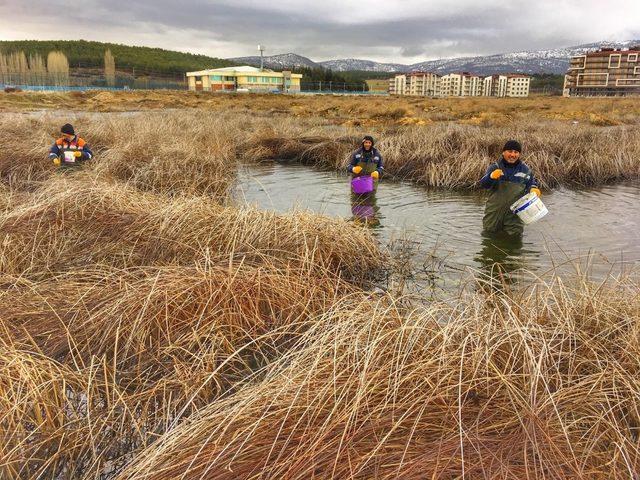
(366, 112)
(541, 385)
(195, 152)
(151, 329)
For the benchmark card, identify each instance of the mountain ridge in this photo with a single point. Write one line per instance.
(548, 61)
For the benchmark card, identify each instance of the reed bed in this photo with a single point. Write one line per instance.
(73, 223)
(539, 385)
(456, 156)
(196, 153)
(164, 153)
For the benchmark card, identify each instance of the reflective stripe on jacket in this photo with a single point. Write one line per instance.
(62, 145)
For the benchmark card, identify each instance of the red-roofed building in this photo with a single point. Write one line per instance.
(607, 72)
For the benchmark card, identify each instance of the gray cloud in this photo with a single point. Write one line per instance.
(223, 30)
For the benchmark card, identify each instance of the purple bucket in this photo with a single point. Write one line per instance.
(361, 185)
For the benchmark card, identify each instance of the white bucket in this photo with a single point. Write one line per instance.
(529, 208)
(69, 157)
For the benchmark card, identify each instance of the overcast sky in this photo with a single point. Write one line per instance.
(405, 31)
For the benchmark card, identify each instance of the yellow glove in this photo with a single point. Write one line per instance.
(77, 154)
(357, 169)
(375, 175)
(496, 174)
(536, 190)
(56, 161)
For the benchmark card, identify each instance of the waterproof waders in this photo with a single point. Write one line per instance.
(497, 215)
(367, 169)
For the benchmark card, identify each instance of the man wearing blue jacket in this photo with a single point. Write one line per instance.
(366, 160)
(69, 150)
(508, 179)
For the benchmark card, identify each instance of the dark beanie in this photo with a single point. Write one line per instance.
(512, 145)
(68, 129)
(368, 137)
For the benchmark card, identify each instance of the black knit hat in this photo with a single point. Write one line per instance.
(512, 145)
(68, 129)
(368, 137)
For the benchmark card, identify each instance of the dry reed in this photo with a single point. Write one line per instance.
(540, 385)
(196, 153)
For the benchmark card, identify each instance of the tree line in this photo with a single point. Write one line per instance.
(88, 54)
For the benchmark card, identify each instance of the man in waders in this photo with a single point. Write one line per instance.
(69, 150)
(366, 160)
(508, 179)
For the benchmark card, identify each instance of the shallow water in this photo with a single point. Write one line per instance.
(598, 227)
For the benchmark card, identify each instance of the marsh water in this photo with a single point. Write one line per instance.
(597, 229)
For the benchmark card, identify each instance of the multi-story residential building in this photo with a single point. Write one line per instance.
(463, 84)
(423, 84)
(398, 85)
(243, 78)
(606, 72)
(518, 85)
(511, 85)
(494, 86)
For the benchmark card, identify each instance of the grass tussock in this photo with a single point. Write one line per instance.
(57, 421)
(74, 223)
(162, 153)
(456, 156)
(149, 323)
(196, 153)
(543, 384)
(151, 329)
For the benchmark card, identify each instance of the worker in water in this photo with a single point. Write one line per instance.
(508, 179)
(366, 160)
(69, 150)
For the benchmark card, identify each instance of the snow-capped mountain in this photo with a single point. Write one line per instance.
(349, 64)
(279, 62)
(535, 61)
(538, 61)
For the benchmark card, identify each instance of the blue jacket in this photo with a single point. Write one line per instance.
(371, 156)
(77, 143)
(518, 172)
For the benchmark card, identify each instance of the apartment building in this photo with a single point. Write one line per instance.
(398, 85)
(511, 85)
(606, 72)
(424, 84)
(518, 85)
(461, 84)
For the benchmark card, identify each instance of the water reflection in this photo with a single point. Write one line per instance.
(500, 254)
(365, 209)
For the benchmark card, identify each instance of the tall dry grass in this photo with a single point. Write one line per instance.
(541, 385)
(456, 156)
(58, 421)
(164, 153)
(197, 153)
(73, 223)
(146, 324)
